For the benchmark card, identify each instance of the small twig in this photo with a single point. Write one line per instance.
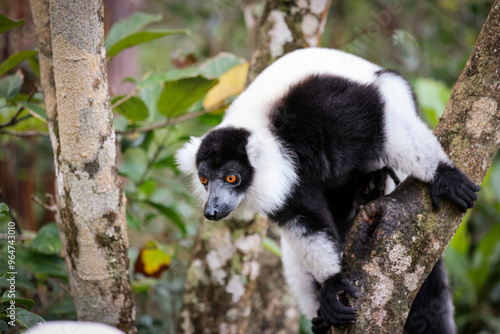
(172, 121)
(14, 120)
(125, 98)
(52, 208)
(24, 133)
(64, 287)
(152, 161)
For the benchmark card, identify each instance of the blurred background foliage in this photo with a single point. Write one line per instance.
(196, 59)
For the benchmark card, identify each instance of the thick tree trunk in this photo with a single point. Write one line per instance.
(90, 197)
(222, 275)
(397, 240)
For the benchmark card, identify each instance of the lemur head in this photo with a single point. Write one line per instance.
(223, 171)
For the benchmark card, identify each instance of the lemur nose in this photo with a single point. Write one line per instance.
(210, 214)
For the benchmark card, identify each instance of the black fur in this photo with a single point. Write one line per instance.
(453, 185)
(224, 150)
(345, 133)
(346, 130)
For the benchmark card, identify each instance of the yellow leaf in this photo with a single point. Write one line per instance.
(154, 261)
(230, 83)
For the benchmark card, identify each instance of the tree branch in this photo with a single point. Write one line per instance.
(24, 134)
(404, 223)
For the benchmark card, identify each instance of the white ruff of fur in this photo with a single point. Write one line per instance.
(186, 160)
(274, 176)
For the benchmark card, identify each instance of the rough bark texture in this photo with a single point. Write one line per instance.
(90, 197)
(397, 240)
(222, 276)
(274, 309)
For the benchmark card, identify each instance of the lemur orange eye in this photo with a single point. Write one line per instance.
(203, 180)
(231, 178)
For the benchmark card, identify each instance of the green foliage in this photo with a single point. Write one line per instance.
(133, 108)
(432, 97)
(4, 209)
(271, 246)
(15, 59)
(129, 26)
(7, 24)
(11, 312)
(128, 33)
(177, 96)
(139, 38)
(10, 86)
(47, 240)
(170, 214)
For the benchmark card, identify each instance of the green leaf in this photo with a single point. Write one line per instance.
(126, 27)
(9, 87)
(28, 319)
(170, 75)
(4, 209)
(432, 97)
(139, 38)
(34, 107)
(7, 24)
(220, 64)
(37, 263)
(26, 303)
(211, 68)
(172, 215)
(133, 108)
(47, 240)
(133, 221)
(177, 96)
(35, 65)
(15, 59)
(168, 162)
(6, 296)
(271, 246)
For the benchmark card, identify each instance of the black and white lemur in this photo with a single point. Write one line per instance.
(305, 131)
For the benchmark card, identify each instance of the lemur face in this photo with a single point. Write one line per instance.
(224, 170)
(225, 187)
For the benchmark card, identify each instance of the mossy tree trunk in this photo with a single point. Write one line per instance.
(397, 240)
(90, 198)
(222, 276)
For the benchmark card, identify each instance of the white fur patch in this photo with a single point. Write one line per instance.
(318, 252)
(274, 175)
(186, 160)
(411, 147)
(300, 281)
(251, 109)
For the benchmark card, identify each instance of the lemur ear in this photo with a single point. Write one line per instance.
(254, 149)
(186, 156)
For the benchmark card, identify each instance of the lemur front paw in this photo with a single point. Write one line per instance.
(332, 311)
(453, 185)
